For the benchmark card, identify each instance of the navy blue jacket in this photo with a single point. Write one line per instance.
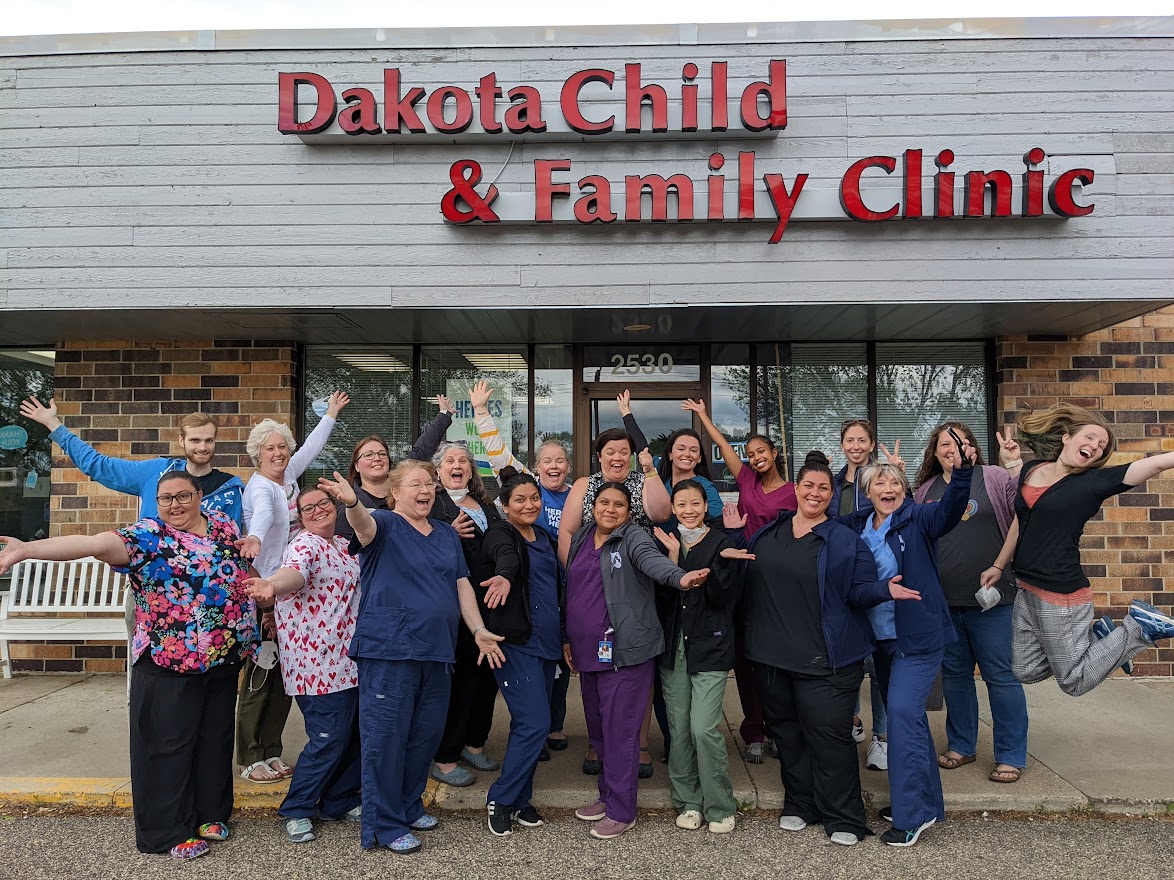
(848, 585)
(913, 537)
(860, 500)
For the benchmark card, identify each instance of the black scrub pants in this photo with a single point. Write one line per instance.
(810, 717)
(470, 703)
(181, 732)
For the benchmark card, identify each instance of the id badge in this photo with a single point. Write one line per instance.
(604, 651)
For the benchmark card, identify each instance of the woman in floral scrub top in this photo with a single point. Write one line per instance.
(317, 595)
(193, 624)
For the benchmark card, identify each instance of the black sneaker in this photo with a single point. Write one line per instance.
(896, 837)
(886, 813)
(528, 817)
(543, 755)
(499, 819)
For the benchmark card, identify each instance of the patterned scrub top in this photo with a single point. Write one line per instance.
(315, 624)
(191, 610)
(635, 483)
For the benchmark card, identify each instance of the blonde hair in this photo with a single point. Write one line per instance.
(1043, 432)
(260, 434)
(197, 420)
(395, 479)
(883, 469)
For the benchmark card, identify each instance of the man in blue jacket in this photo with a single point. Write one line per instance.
(197, 437)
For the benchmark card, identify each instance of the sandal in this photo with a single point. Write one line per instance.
(192, 848)
(1009, 775)
(260, 773)
(948, 763)
(213, 831)
(280, 767)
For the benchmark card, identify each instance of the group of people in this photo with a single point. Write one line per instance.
(395, 602)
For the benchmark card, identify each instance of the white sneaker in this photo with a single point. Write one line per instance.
(690, 820)
(878, 754)
(845, 838)
(791, 823)
(858, 731)
(722, 826)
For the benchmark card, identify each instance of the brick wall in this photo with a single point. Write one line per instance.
(125, 398)
(1127, 373)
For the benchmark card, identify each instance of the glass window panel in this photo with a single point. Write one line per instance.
(729, 405)
(379, 381)
(553, 396)
(919, 385)
(641, 363)
(25, 449)
(452, 371)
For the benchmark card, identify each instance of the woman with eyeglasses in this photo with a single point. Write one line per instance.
(194, 623)
(371, 463)
(317, 597)
(415, 589)
(270, 517)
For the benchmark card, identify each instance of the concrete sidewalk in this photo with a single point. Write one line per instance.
(63, 739)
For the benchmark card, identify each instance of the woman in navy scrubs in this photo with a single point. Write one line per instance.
(414, 585)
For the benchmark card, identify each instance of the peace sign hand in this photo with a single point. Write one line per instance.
(1010, 454)
(894, 457)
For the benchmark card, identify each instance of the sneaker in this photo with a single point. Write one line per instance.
(722, 826)
(299, 830)
(1154, 624)
(878, 754)
(606, 829)
(409, 843)
(457, 777)
(592, 812)
(500, 822)
(213, 831)
(192, 848)
(479, 761)
(772, 749)
(424, 823)
(845, 838)
(528, 817)
(858, 730)
(791, 823)
(886, 813)
(690, 820)
(755, 753)
(592, 766)
(355, 815)
(896, 837)
(1101, 629)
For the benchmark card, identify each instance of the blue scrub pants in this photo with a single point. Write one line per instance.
(326, 779)
(402, 707)
(915, 782)
(526, 682)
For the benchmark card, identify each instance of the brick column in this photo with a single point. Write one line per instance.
(1126, 373)
(125, 399)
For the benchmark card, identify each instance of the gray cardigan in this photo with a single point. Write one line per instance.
(632, 565)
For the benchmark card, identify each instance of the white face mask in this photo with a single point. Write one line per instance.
(457, 495)
(691, 536)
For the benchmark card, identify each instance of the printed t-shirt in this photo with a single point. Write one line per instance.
(968, 549)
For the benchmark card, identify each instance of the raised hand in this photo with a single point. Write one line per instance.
(38, 412)
(671, 543)
(738, 554)
(894, 457)
(624, 399)
(338, 489)
(498, 588)
(479, 395)
(445, 405)
(487, 644)
(731, 518)
(260, 590)
(968, 452)
(248, 547)
(696, 406)
(899, 591)
(464, 525)
(336, 402)
(694, 579)
(1009, 451)
(645, 458)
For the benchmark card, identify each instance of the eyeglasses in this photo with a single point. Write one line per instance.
(324, 504)
(375, 456)
(181, 497)
(415, 487)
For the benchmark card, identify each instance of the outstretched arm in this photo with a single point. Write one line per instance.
(572, 518)
(731, 458)
(1148, 468)
(496, 450)
(624, 399)
(107, 547)
(316, 442)
(357, 515)
(432, 435)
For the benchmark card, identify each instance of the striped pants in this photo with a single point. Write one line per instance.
(1049, 639)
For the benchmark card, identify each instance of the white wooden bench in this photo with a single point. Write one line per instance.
(41, 591)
